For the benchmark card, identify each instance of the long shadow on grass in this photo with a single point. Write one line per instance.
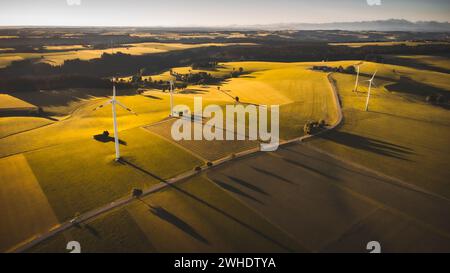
(176, 221)
(273, 175)
(152, 97)
(211, 206)
(369, 144)
(230, 188)
(410, 86)
(310, 169)
(247, 185)
(103, 138)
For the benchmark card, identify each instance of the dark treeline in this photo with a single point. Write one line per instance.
(26, 83)
(123, 64)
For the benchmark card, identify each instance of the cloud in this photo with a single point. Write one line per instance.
(73, 2)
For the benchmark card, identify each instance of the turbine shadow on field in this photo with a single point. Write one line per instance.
(369, 144)
(92, 230)
(409, 86)
(171, 218)
(103, 138)
(413, 63)
(192, 91)
(246, 184)
(212, 207)
(235, 190)
(313, 170)
(273, 175)
(152, 97)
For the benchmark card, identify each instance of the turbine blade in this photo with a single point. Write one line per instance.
(374, 75)
(101, 106)
(126, 108)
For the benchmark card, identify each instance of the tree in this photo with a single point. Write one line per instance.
(350, 69)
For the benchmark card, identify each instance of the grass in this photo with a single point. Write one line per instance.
(303, 94)
(435, 61)
(94, 179)
(200, 217)
(84, 123)
(400, 135)
(64, 47)
(77, 52)
(10, 102)
(209, 150)
(14, 125)
(25, 209)
(77, 173)
(197, 216)
(113, 233)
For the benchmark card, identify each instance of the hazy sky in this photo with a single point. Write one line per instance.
(213, 12)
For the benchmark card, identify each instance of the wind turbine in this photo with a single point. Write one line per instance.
(113, 103)
(368, 93)
(357, 79)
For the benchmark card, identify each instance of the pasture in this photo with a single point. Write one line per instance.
(204, 218)
(56, 55)
(25, 209)
(400, 136)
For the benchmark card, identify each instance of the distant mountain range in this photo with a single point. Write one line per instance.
(380, 25)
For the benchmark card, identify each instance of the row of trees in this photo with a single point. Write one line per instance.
(27, 84)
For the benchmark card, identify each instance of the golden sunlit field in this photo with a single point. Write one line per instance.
(26, 211)
(204, 218)
(229, 128)
(10, 102)
(74, 173)
(401, 135)
(64, 53)
(57, 152)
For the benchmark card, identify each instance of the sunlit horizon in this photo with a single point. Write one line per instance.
(202, 13)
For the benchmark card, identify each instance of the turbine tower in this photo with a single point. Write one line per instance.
(368, 93)
(113, 103)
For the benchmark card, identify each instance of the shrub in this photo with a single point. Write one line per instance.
(136, 192)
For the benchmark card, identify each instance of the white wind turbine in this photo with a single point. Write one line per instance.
(370, 86)
(113, 103)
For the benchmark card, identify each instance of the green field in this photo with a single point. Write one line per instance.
(434, 61)
(196, 215)
(400, 135)
(25, 208)
(56, 55)
(11, 102)
(14, 125)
